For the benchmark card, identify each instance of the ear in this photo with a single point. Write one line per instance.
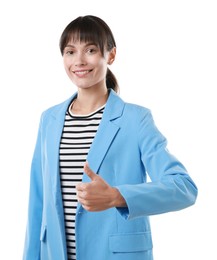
(112, 55)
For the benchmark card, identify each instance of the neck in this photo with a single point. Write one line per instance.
(89, 100)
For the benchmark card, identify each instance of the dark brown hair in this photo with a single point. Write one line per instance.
(92, 29)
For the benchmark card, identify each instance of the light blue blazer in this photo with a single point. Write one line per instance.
(126, 148)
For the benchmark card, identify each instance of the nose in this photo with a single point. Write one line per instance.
(80, 59)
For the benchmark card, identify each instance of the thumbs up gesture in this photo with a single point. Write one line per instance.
(98, 195)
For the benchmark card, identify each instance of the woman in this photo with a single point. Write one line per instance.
(89, 198)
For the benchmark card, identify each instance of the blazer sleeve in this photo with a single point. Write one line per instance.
(32, 238)
(171, 188)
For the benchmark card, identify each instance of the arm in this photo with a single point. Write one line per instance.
(171, 187)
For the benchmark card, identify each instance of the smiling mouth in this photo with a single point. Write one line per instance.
(81, 72)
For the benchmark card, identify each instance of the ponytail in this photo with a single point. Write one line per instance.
(111, 81)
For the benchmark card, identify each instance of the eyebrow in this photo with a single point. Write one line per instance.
(86, 45)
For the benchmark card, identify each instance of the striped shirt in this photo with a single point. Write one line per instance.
(77, 136)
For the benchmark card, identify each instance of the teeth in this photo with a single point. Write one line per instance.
(81, 72)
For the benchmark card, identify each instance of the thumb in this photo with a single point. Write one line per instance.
(92, 175)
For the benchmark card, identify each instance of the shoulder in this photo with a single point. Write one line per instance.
(129, 108)
(137, 111)
(133, 115)
(136, 108)
(141, 121)
(57, 110)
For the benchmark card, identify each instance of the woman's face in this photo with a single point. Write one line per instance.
(85, 65)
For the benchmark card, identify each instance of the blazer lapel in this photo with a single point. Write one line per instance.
(104, 137)
(54, 132)
(106, 133)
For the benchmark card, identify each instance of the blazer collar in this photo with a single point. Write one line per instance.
(113, 109)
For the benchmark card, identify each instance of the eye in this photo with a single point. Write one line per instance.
(91, 50)
(68, 52)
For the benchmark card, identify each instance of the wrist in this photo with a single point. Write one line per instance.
(118, 199)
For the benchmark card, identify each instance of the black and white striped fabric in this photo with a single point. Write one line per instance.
(77, 136)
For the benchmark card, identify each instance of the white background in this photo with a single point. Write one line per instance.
(166, 60)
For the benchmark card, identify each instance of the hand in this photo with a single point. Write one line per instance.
(98, 195)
